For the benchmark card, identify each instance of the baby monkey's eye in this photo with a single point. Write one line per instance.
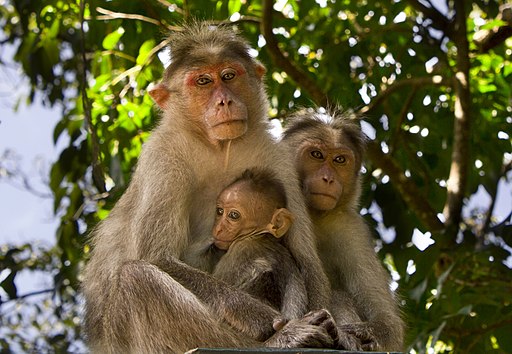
(220, 211)
(234, 215)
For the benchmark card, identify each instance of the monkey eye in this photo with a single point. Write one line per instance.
(220, 211)
(316, 154)
(203, 80)
(340, 159)
(229, 75)
(234, 215)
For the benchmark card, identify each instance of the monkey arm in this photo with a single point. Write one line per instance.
(242, 311)
(361, 283)
(300, 240)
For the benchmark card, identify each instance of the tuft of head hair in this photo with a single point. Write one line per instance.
(198, 42)
(314, 122)
(265, 183)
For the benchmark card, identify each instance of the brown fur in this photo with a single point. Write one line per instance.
(140, 296)
(365, 309)
(255, 261)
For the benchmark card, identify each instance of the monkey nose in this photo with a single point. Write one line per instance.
(225, 102)
(328, 179)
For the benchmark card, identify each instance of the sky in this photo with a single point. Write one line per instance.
(26, 136)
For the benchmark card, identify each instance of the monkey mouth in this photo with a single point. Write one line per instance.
(220, 244)
(320, 194)
(229, 122)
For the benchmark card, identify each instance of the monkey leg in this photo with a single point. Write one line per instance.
(150, 312)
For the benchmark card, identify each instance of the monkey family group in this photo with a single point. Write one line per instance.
(227, 238)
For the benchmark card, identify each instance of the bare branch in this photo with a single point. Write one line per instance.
(174, 7)
(415, 82)
(401, 118)
(24, 296)
(299, 76)
(111, 15)
(97, 170)
(408, 190)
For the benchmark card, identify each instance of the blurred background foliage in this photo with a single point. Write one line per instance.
(431, 78)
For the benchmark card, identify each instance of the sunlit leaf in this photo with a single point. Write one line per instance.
(111, 39)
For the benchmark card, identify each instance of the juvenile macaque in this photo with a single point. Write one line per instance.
(140, 296)
(329, 151)
(251, 218)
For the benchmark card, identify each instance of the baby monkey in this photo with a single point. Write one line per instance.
(251, 217)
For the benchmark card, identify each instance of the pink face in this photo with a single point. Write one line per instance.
(323, 169)
(239, 212)
(217, 97)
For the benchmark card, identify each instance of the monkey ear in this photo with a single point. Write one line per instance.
(281, 221)
(260, 69)
(159, 93)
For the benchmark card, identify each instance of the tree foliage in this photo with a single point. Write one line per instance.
(431, 78)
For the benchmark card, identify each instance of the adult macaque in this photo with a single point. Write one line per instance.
(251, 218)
(140, 295)
(329, 151)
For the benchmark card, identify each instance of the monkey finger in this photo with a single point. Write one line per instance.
(332, 329)
(317, 317)
(370, 345)
(361, 330)
(279, 323)
(348, 342)
(319, 338)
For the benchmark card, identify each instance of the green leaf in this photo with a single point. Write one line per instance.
(234, 6)
(111, 40)
(144, 51)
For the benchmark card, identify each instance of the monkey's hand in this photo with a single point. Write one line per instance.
(356, 336)
(316, 329)
(240, 310)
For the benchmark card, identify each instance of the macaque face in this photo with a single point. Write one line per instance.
(239, 212)
(217, 96)
(325, 169)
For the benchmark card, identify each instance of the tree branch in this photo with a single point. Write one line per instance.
(300, 77)
(24, 296)
(408, 190)
(97, 170)
(110, 15)
(457, 180)
(415, 82)
(439, 21)
(487, 39)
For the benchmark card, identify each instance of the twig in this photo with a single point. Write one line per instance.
(97, 171)
(408, 190)
(299, 76)
(110, 15)
(396, 136)
(24, 296)
(415, 82)
(168, 4)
